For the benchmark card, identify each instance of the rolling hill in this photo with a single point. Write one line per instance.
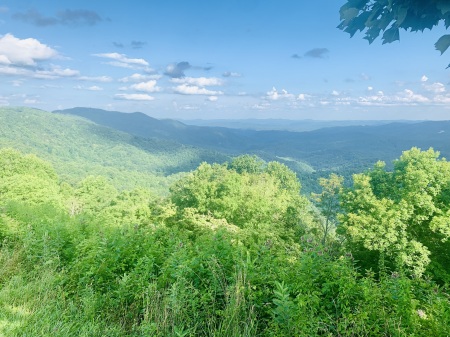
(77, 147)
(345, 149)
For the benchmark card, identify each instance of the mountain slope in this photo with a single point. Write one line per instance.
(336, 148)
(77, 148)
(145, 126)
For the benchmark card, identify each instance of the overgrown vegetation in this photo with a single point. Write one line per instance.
(234, 250)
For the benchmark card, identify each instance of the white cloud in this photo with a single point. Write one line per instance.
(409, 96)
(56, 72)
(376, 99)
(335, 93)
(424, 78)
(212, 98)
(185, 89)
(16, 83)
(53, 73)
(103, 79)
(303, 97)
(441, 99)
(139, 78)
(198, 81)
(275, 95)
(121, 60)
(95, 88)
(369, 88)
(23, 52)
(406, 97)
(149, 86)
(134, 97)
(261, 106)
(30, 101)
(436, 87)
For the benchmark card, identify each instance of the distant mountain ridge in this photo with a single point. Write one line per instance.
(284, 124)
(142, 125)
(344, 150)
(333, 141)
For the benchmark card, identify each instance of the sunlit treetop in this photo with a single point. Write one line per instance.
(374, 17)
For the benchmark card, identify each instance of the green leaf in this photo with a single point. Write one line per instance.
(443, 7)
(391, 35)
(372, 33)
(447, 22)
(401, 15)
(443, 43)
(349, 13)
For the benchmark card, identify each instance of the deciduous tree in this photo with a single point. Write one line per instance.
(403, 215)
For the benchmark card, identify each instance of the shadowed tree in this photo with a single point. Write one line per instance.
(328, 202)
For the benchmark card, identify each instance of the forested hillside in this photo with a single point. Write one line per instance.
(78, 148)
(234, 250)
(344, 150)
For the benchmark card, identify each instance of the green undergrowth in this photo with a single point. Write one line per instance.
(234, 251)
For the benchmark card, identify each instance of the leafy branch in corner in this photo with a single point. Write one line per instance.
(374, 17)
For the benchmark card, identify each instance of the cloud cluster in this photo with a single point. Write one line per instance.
(134, 97)
(185, 89)
(176, 70)
(149, 86)
(32, 59)
(197, 86)
(139, 78)
(275, 95)
(91, 88)
(405, 97)
(25, 52)
(425, 94)
(55, 72)
(68, 17)
(199, 81)
(103, 79)
(435, 87)
(121, 60)
(139, 83)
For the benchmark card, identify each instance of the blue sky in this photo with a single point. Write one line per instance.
(215, 59)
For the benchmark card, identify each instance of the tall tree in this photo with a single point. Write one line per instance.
(328, 202)
(403, 215)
